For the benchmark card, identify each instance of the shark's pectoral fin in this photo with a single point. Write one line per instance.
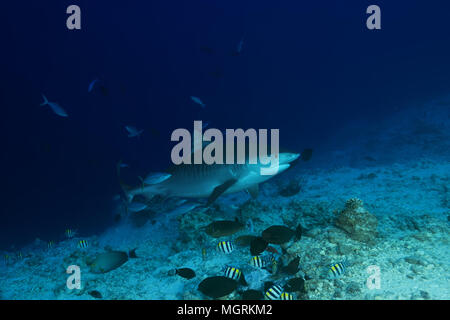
(220, 190)
(253, 191)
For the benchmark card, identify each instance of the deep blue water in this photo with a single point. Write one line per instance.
(307, 69)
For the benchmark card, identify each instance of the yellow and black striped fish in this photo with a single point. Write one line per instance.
(83, 244)
(257, 262)
(225, 247)
(233, 273)
(286, 296)
(274, 292)
(336, 270)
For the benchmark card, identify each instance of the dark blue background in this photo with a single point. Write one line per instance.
(308, 69)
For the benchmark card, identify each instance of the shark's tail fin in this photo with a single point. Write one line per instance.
(45, 100)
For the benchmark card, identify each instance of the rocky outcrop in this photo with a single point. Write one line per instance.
(359, 223)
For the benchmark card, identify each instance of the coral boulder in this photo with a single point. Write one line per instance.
(359, 223)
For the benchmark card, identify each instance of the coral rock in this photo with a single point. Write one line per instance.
(360, 224)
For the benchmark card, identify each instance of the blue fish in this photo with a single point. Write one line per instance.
(57, 109)
(133, 132)
(198, 101)
(91, 85)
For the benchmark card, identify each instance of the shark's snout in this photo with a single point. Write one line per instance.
(287, 157)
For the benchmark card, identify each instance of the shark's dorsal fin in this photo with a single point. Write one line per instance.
(220, 190)
(253, 191)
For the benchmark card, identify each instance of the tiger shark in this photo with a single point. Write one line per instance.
(211, 180)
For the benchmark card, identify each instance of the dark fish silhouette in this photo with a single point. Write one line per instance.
(96, 294)
(257, 246)
(109, 261)
(291, 189)
(217, 287)
(278, 234)
(223, 228)
(186, 273)
(295, 285)
(292, 267)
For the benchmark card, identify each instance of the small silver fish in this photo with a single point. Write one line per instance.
(57, 109)
(133, 131)
(136, 206)
(91, 85)
(198, 101)
(156, 177)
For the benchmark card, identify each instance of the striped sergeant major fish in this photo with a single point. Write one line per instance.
(233, 273)
(83, 244)
(257, 262)
(225, 247)
(69, 233)
(286, 296)
(263, 261)
(273, 293)
(336, 270)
